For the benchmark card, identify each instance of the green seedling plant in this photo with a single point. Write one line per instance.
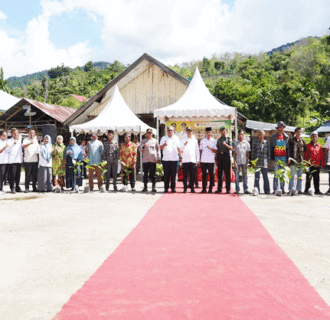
(159, 170)
(252, 168)
(283, 173)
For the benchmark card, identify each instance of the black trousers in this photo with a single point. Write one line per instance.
(131, 176)
(224, 164)
(31, 170)
(14, 175)
(207, 168)
(170, 168)
(3, 167)
(316, 177)
(189, 168)
(149, 171)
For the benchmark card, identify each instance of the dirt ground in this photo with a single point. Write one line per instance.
(52, 243)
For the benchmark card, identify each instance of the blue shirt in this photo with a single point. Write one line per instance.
(95, 150)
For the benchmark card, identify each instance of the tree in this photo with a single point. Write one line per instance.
(3, 82)
(219, 65)
(88, 66)
(59, 71)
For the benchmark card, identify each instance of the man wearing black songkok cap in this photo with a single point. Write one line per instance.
(111, 155)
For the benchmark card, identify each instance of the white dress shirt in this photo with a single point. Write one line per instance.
(31, 152)
(15, 153)
(170, 152)
(207, 155)
(190, 150)
(4, 153)
(327, 146)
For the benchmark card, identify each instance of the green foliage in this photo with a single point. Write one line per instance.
(283, 173)
(88, 66)
(252, 166)
(320, 140)
(3, 82)
(59, 71)
(159, 170)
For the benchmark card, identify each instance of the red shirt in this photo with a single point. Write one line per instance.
(315, 154)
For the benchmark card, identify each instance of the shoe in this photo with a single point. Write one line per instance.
(12, 191)
(218, 192)
(319, 193)
(305, 192)
(145, 189)
(184, 191)
(192, 191)
(283, 192)
(300, 192)
(115, 189)
(133, 189)
(154, 189)
(247, 192)
(203, 191)
(107, 188)
(210, 191)
(328, 192)
(165, 191)
(228, 192)
(36, 190)
(26, 191)
(18, 189)
(237, 192)
(173, 191)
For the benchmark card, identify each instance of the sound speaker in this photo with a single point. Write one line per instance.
(49, 129)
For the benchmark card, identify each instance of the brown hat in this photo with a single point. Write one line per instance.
(189, 129)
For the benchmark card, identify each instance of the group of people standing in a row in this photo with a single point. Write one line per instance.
(48, 165)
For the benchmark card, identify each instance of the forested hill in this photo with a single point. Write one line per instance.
(291, 85)
(30, 78)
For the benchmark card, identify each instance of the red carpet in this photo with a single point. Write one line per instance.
(197, 257)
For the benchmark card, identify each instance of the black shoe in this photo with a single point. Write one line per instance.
(145, 189)
(210, 191)
(218, 192)
(203, 191)
(319, 193)
(26, 191)
(18, 189)
(153, 188)
(227, 192)
(305, 192)
(300, 192)
(173, 191)
(165, 191)
(35, 190)
(192, 191)
(328, 192)
(247, 192)
(184, 191)
(12, 191)
(115, 189)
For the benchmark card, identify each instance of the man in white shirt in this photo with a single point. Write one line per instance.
(31, 158)
(15, 159)
(190, 160)
(170, 144)
(327, 159)
(3, 157)
(208, 158)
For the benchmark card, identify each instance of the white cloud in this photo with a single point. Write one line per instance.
(172, 31)
(2, 16)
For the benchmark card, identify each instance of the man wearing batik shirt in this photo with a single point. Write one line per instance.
(279, 150)
(327, 159)
(314, 154)
(128, 158)
(241, 152)
(297, 147)
(261, 151)
(111, 155)
(150, 156)
(190, 159)
(208, 158)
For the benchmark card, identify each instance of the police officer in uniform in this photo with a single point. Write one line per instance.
(224, 146)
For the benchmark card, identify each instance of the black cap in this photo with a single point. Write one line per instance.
(111, 131)
(208, 129)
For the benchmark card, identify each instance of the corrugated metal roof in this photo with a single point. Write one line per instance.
(79, 98)
(58, 113)
(325, 127)
(257, 125)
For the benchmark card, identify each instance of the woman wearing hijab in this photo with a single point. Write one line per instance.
(45, 166)
(59, 162)
(73, 154)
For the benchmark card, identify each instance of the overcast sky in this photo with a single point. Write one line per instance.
(39, 34)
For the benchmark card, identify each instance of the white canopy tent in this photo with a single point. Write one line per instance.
(197, 102)
(116, 116)
(7, 100)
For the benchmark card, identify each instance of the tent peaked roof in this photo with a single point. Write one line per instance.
(197, 101)
(7, 100)
(116, 116)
